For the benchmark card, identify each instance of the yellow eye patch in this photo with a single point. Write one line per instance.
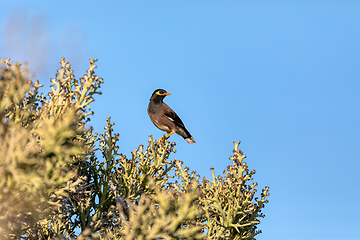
(162, 93)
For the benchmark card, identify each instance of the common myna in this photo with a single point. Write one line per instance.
(165, 118)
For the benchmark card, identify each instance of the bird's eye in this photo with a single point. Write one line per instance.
(160, 92)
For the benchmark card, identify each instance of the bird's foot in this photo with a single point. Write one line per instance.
(161, 141)
(162, 138)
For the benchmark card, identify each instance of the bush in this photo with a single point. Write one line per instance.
(60, 180)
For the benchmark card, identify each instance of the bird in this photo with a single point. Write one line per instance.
(165, 118)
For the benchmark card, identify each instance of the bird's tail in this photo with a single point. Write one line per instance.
(186, 135)
(190, 140)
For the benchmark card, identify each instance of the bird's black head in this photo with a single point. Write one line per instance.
(159, 95)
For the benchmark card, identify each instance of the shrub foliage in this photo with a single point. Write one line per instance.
(61, 180)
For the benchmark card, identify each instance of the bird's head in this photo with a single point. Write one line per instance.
(159, 95)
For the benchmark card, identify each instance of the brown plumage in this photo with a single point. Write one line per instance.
(165, 118)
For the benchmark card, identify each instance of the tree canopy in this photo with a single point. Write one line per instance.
(61, 180)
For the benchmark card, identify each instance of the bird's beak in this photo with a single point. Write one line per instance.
(167, 93)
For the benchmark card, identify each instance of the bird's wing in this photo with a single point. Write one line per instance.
(170, 114)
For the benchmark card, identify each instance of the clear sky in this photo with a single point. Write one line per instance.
(280, 76)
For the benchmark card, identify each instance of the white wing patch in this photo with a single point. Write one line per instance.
(169, 118)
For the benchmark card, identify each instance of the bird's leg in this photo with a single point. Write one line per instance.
(169, 134)
(164, 138)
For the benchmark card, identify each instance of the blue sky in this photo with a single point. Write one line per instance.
(280, 76)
